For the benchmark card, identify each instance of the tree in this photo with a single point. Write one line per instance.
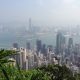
(57, 72)
(3, 59)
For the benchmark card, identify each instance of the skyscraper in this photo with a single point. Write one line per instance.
(70, 46)
(28, 46)
(15, 45)
(23, 58)
(60, 43)
(38, 45)
(44, 50)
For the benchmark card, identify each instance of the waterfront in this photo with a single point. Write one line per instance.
(48, 38)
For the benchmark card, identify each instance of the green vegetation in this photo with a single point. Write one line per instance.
(50, 72)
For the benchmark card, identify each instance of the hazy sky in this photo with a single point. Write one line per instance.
(45, 12)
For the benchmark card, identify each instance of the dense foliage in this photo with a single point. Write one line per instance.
(50, 72)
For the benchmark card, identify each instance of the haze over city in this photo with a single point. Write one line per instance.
(42, 12)
(39, 39)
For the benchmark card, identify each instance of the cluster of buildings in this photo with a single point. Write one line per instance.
(68, 52)
(28, 58)
(64, 53)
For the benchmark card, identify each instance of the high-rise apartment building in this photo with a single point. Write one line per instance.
(15, 45)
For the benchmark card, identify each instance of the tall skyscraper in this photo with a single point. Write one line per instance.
(28, 46)
(15, 45)
(44, 50)
(70, 46)
(60, 43)
(63, 43)
(39, 45)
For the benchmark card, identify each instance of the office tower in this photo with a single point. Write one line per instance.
(15, 45)
(39, 45)
(28, 46)
(60, 43)
(70, 46)
(44, 50)
(63, 43)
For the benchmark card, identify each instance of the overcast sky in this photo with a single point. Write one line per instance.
(50, 12)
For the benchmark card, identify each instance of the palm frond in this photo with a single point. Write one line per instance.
(3, 61)
(4, 72)
(5, 53)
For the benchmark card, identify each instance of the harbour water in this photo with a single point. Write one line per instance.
(6, 40)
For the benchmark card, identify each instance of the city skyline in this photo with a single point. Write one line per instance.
(39, 39)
